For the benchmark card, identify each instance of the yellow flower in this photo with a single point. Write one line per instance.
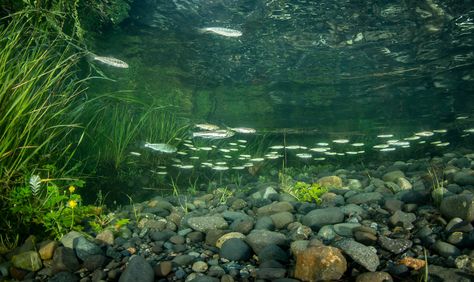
(72, 203)
(72, 189)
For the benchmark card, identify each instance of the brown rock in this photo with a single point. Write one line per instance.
(275, 207)
(46, 249)
(332, 181)
(106, 237)
(163, 268)
(320, 263)
(374, 277)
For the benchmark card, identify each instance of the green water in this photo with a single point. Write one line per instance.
(302, 72)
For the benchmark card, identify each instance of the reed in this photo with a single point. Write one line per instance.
(37, 94)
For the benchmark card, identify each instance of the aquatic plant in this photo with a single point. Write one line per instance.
(38, 101)
(306, 192)
(437, 187)
(56, 210)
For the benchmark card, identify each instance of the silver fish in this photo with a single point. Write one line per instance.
(227, 32)
(161, 147)
(244, 130)
(206, 126)
(113, 62)
(216, 134)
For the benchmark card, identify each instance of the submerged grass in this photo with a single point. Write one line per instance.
(38, 89)
(39, 131)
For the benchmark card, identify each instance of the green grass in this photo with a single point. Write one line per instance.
(37, 94)
(39, 90)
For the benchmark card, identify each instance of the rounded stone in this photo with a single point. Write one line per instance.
(228, 236)
(200, 267)
(320, 263)
(235, 249)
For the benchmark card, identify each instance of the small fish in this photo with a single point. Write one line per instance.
(387, 149)
(238, 167)
(424, 133)
(216, 134)
(110, 61)
(135, 154)
(244, 130)
(187, 166)
(443, 144)
(293, 147)
(385, 135)
(161, 147)
(320, 149)
(380, 146)
(277, 147)
(341, 141)
(220, 168)
(227, 32)
(357, 144)
(304, 156)
(206, 126)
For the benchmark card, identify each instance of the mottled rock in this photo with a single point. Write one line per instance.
(393, 205)
(396, 246)
(264, 222)
(282, 219)
(63, 276)
(392, 176)
(273, 252)
(374, 277)
(363, 255)
(106, 237)
(275, 207)
(400, 218)
(345, 229)
(68, 239)
(64, 259)
(439, 273)
(138, 269)
(330, 199)
(205, 223)
(464, 177)
(94, 262)
(320, 263)
(270, 273)
(404, 184)
(258, 239)
(461, 206)
(29, 260)
(200, 266)
(362, 198)
(85, 248)
(332, 181)
(320, 217)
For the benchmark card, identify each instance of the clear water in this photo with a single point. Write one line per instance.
(305, 72)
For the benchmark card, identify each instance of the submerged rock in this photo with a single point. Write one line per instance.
(138, 269)
(363, 255)
(461, 206)
(320, 263)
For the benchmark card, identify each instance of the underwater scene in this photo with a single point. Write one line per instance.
(236, 140)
